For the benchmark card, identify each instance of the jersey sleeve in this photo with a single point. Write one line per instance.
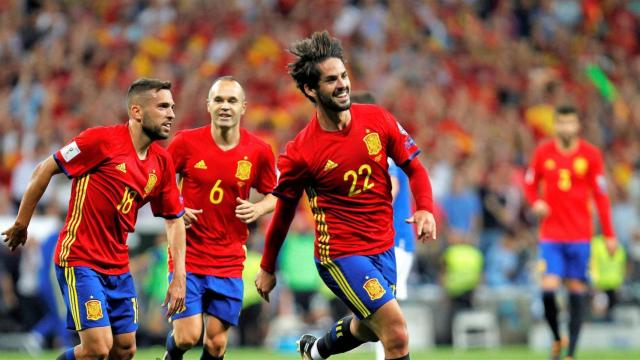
(600, 193)
(167, 203)
(83, 153)
(532, 177)
(178, 152)
(401, 147)
(267, 170)
(292, 174)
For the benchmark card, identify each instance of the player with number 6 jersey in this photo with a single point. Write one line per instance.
(218, 164)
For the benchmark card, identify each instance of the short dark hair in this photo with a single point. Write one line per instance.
(145, 84)
(310, 52)
(566, 110)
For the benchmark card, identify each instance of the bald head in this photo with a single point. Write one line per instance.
(229, 83)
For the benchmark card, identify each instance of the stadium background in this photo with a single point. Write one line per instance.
(474, 82)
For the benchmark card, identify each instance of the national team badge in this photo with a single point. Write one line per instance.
(374, 289)
(372, 140)
(549, 164)
(153, 179)
(243, 171)
(94, 309)
(580, 165)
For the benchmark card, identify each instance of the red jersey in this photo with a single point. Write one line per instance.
(567, 181)
(110, 184)
(345, 175)
(211, 181)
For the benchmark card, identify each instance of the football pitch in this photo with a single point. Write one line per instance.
(507, 353)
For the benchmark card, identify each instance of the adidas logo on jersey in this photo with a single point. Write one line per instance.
(200, 165)
(122, 167)
(329, 165)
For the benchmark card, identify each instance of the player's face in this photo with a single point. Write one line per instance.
(567, 127)
(158, 114)
(226, 104)
(334, 87)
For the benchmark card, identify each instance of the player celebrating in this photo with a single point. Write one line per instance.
(115, 171)
(340, 160)
(218, 165)
(570, 171)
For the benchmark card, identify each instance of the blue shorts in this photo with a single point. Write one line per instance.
(94, 299)
(566, 260)
(363, 283)
(217, 296)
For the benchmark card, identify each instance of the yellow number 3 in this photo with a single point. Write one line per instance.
(216, 194)
(353, 176)
(564, 179)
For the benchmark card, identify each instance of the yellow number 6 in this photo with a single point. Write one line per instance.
(216, 194)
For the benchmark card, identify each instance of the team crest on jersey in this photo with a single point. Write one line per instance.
(372, 140)
(243, 171)
(94, 309)
(153, 179)
(549, 164)
(374, 289)
(580, 165)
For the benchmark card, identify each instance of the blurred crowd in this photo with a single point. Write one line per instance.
(475, 82)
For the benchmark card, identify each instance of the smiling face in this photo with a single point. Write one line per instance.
(157, 113)
(334, 87)
(226, 104)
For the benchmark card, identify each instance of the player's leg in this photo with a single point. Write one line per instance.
(362, 283)
(222, 304)
(187, 323)
(86, 305)
(577, 266)
(215, 339)
(551, 255)
(404, 261)
(123, 314)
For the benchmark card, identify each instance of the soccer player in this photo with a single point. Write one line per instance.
(564, 175)
(218, 165)
(340, 160)
(115, 171)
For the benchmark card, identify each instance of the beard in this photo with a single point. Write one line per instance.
(152, 130)
(566, 140)
(329, 103)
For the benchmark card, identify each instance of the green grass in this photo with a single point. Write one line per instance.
(507, 353)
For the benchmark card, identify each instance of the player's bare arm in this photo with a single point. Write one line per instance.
(174, 301)
(16, 235)
(249, 212)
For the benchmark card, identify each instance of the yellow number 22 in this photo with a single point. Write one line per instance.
(352, 176)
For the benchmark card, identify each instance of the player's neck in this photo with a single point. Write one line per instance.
(333, 121)
(226, 138)
(567, 146)
(140, 140)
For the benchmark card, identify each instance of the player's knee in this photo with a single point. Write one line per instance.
(126, 352)
(186, 340)
(216, 345)
(396, 338)
(96, 350)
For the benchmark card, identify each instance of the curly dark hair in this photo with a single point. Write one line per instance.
(310, 52)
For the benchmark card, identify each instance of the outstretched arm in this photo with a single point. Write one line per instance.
(276, 233)
(174, 301)
(421, 190)
(16, 235)
(249, 212)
